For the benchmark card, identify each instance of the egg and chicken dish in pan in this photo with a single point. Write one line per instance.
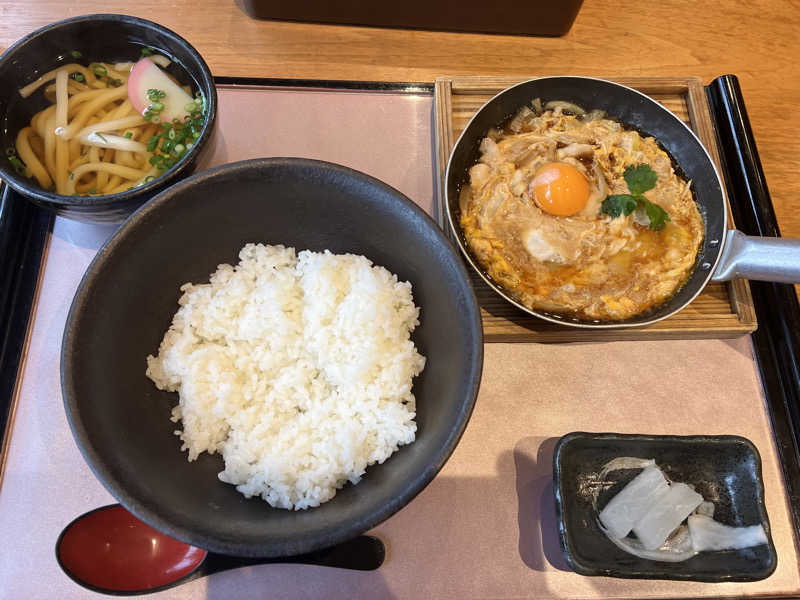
(571, 213)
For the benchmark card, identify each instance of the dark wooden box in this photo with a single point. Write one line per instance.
(479, 16)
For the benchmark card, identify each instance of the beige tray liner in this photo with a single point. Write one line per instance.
(484, 528)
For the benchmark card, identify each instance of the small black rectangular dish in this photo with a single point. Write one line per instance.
(725, 470)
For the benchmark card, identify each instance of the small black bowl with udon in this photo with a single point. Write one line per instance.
(104, 47)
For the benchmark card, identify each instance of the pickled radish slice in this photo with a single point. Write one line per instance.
(669, 512)
(708, 534)
(655, 509)
(625, 509)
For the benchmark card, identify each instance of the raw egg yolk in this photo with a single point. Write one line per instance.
(560, 189)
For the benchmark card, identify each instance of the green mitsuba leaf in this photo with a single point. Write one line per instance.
(619, 204)
(640, 178)
(657, 215)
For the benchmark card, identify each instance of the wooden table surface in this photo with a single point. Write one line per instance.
(756, 40)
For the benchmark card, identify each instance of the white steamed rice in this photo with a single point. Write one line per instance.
(296, 368)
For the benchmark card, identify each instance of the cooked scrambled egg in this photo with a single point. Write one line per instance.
(587, 265)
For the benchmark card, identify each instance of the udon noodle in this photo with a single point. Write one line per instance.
(90, 140)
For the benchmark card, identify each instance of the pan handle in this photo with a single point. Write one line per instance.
(759, 258)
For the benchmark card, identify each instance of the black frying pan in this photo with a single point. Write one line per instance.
(723, 255)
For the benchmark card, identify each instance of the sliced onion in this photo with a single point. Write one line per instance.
(116, 124)
(595, 115)
(516, 123)
(161, 60)
(626, 462)
(676, 549)
(565, 107)
(640, 217)
(116, 142)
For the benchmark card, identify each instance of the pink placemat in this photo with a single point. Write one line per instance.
(485, 527)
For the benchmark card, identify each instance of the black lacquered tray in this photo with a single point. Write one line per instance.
(24, 231)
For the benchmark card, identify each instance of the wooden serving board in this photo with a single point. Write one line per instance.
(722, 310)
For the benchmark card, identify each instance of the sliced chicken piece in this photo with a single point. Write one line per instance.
(479, 175)
(554, 239)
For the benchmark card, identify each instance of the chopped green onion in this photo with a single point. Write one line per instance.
(71, 174)
(91, 191)
(128, 134)
(190, 107)
(76, 54)
(152, 112)
(78, 77)
(151, 115)
(100, 70)
(18, 165)
(154, 95)
(147, 51)
(174, 139)
(100, 135)
(148, 179)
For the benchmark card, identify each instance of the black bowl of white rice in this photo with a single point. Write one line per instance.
(272, 357)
